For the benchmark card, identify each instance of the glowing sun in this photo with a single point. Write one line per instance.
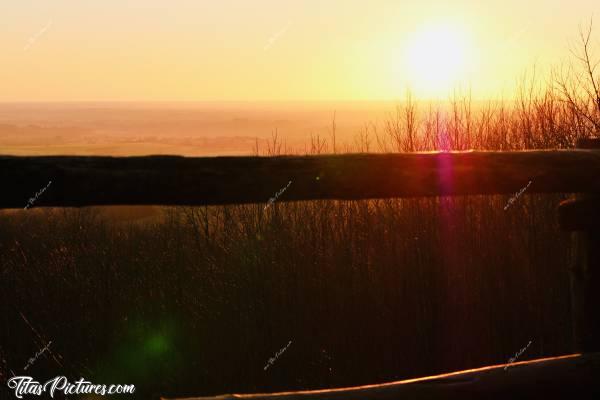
(438, 58)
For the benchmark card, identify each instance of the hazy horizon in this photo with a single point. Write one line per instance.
(185, 128)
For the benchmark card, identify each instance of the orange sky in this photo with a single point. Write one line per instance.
(278, 50)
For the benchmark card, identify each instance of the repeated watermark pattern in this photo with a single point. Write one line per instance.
(517, 355)
(273, 199)
(41, 339)
(516, 196)
(273, 359)
(37, 355)
(276, 36)
(35, 37)
(26, 385)
(37, 195)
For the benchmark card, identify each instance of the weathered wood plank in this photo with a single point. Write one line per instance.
(172, 180)
(550, 378)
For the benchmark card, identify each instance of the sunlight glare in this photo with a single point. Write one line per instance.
(437, 59)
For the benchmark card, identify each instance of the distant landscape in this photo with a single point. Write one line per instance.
(192, 129)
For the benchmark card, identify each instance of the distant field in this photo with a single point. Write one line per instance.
(192, 129)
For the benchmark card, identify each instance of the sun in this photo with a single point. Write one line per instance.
(437, 59)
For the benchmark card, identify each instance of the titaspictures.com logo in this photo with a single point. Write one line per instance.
(25, 385)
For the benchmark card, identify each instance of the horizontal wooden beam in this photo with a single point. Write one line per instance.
(550, 378)
(172, 180)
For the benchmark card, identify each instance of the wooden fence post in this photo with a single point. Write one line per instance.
(581, 216)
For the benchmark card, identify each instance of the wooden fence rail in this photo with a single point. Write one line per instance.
(172, 180)
(549, 378)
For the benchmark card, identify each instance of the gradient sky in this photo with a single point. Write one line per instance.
(266, 49)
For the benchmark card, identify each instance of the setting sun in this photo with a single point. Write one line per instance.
(437, 59)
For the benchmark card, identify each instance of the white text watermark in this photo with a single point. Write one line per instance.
(273, 359)
(26, 385)
(37, 355)
(38, 194)
(276, 36)
(273, 199)
(516, 196)
(513, 359)
(35, 37)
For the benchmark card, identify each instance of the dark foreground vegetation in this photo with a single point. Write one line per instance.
(367, 291)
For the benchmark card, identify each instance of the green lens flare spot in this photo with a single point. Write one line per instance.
(156, 345)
